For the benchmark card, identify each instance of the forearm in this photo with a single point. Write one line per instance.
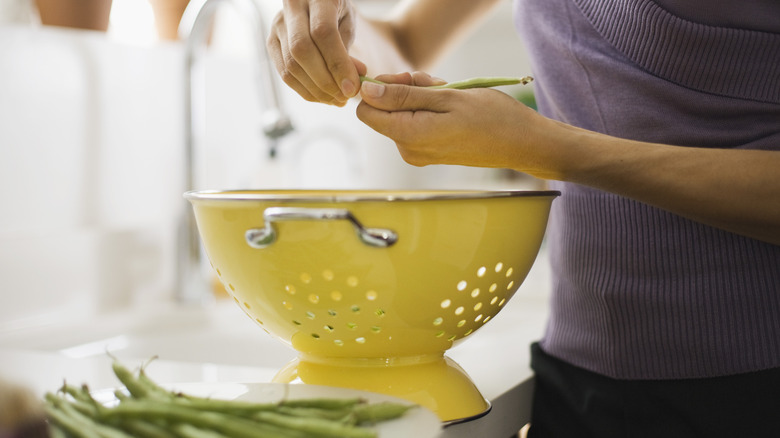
(377, 47)
(732, 189)
(416, 34)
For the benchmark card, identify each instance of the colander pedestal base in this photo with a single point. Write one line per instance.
(435, 382)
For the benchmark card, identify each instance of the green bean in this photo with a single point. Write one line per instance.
(486, 82)
(71, 426)
(339, 415)
(56, 431)
(80, 395)
(120, 395)
(85, 408)
(136, 388)
(315, 427)
(236, 407)
(323, 403)
(82, 402)
(190, 431)
(483, 83)
(145, 429)
(141, 386)
(369, 79)
(76, 422)
(157, 410)
(152, 388)
(147, 410)
(378, 412)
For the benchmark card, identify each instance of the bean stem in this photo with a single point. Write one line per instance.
(133, 385)
(152, 388)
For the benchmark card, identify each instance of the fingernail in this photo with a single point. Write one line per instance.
(372, 89)
(348, 88)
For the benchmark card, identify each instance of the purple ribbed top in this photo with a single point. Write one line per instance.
(640, 293)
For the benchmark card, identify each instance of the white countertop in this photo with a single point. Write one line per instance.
(219, 344)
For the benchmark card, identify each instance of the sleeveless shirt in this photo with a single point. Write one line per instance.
(639, 292)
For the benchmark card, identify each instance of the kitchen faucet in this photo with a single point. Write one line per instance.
(193, 284)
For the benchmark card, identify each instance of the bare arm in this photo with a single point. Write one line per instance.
(320, 47)
(735, 190)
(424, 30)
(732, 189)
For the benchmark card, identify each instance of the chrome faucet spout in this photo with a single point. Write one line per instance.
(193, 285)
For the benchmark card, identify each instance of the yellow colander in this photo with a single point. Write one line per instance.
(372, 287)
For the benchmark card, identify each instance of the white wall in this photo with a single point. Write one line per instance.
(89, 170)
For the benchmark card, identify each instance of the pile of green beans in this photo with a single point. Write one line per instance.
(486, 82)
(148, 410)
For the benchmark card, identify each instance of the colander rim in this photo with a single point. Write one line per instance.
(360, 195)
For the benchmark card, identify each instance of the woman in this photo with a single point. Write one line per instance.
(659, 121)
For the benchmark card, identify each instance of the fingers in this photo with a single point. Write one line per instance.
(308, 46)
(360, 66)
(405, 128)
(402, 97)
(332, 30)
(307, 61)
(406, 113)
(303, 59)
(280, 56)
(295, 76)
(417, 78)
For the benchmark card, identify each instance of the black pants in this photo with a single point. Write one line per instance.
(576, 403)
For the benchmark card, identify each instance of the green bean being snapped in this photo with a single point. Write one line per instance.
(483, 82)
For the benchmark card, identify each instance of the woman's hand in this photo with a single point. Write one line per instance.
(477, 127)
(724, 188)
(309, 43)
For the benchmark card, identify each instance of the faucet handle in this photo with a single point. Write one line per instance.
(275, 124)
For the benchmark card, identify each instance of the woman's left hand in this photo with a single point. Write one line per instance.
(724, 188)
(476, 127)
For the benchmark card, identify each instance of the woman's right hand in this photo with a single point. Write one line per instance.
(309, 43)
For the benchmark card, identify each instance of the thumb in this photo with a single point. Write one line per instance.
(397, 97)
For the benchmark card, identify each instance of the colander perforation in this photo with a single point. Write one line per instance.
(474, 299)
(310, 298)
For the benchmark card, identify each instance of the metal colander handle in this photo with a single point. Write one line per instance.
(263, 237)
